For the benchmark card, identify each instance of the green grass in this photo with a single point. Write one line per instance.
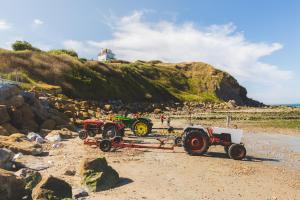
(139, 81)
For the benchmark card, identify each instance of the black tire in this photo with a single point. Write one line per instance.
(109, 131)
(226, 148)
(195, 142)
(83, 134)
(178, 141)
(105, 145)
(136, 131)
(237, 152)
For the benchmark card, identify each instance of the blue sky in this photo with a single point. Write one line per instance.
(256, 41)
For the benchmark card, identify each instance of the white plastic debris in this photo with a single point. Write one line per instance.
(53, 138)
(32, 136)
(56, 145)
(18, 155)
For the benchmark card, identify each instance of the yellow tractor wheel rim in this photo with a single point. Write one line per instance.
(141, 129)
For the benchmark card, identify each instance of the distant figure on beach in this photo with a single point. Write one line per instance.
(169, 121)
(162, 118)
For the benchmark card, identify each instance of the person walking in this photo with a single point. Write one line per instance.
(169, 121)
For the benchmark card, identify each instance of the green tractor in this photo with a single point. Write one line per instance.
(140, 126)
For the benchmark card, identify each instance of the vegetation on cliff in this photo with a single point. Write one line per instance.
(151, 81)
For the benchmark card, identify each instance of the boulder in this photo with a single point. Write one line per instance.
(157, 111)
(26, 111)
(49, 124)
(30, 177)
(6, 156)
(52, 188)
(11, 186)
(16, 117)
(7, 129)
(8, 91)
(108, 107)
(4, 116)
(63, 133)
(17, 144)
(15, 101)
(29, 125)
(97, 175)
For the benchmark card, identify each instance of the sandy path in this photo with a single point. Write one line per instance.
(269, 172)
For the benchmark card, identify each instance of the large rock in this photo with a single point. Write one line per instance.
(8, 91)
(4, 116)
(7, 129)
(51, 188)
(63, 133)
(97, 175)
(15, 101)
(11, 187)
(49, 124)
(30, 125)
(6, 156)
(18, 144)
(30, 177)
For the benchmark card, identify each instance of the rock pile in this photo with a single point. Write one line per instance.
(22, 112)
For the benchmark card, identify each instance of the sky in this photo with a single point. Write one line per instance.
(255, 41)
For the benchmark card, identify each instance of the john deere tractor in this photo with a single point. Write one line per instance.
(140, 126)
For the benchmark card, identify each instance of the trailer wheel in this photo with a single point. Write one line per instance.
(82, 134)
(178, 141)
(237, 152)
(141, 128)
(195, 142)
(105, 145)
(109, 131)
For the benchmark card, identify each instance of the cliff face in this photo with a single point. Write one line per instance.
(131, 82)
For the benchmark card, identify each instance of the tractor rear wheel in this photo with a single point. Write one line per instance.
(195, 142)
(109, 131)
(105, 145)
(141, 128)
(237, 151)
(226, 148)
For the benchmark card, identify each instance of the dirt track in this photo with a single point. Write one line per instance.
(269, 172)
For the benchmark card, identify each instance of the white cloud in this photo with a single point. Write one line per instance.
(220, 45)
(4, 25)
(38, 22)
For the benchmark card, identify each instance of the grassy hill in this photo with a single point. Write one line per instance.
(152, 81)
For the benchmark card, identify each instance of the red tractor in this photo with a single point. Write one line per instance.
(108, 129)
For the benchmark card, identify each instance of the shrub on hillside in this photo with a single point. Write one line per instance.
(64, 51)
(23, 45)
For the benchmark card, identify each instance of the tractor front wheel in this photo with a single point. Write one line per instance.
(83, 134)
(195, 142)
(141, 128)
(237, 151)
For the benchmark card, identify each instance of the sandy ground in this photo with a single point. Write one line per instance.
(270, 171)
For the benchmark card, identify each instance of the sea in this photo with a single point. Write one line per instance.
(293, 105)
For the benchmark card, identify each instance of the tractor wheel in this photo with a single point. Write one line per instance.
(141, 128)
(195, 142)
(178, 141)
(109, 131)
(237, 152)
(226, 148)
(82, 134)
(105, 145)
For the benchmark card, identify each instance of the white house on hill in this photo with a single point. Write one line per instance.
(105, 55)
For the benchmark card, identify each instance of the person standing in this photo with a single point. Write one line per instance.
(169, 121)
